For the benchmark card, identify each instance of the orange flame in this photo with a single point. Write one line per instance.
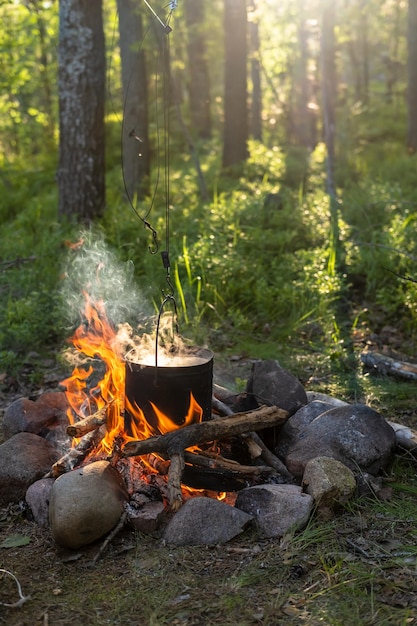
(97, 339)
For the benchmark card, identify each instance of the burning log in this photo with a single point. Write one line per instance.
(89, 423)
(77, 454)
(175, 442)
(221, 428)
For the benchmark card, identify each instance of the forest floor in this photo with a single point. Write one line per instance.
(360, 567)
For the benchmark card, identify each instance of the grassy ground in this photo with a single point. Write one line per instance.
(360, 567)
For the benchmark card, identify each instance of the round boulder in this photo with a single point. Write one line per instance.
(24, 459)
(85, 504)
(354, 434)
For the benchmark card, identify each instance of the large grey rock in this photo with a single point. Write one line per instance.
(25, 415)
(276, 508)
(205, 521)
(86, 504)
(296, 423)
(24, 459)
(354, 434)
(37, 498)
(271, 384)
(328, 481)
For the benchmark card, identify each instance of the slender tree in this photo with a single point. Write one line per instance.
(135, 137)
(412, 76)
(199, 83)
(81, 84)
(302, 126)
(255, 69)
(328, 80)
(235, 133)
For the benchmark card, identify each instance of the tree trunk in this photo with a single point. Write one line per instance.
(302, 127)
(198, 83)
(135, 139)
(81, 83)
(44, 71)
(255, 64)
(235, 133)
(328, 79)
(412, 77)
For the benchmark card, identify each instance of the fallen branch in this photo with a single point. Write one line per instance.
(175, 471)
(178, 440)
(77, 454)
(89, 423)
(406, 437)
(386, 365)
(22, 598)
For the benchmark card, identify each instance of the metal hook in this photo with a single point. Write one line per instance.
(155, 243)
(167, 298)
(171, 288)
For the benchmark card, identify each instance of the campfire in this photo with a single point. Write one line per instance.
(144, 406)
(153, 441)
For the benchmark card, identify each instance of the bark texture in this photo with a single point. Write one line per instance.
(81, 82)
(135, 139)
(235, 134)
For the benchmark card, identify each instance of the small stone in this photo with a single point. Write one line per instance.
(276, 508)
(148, 518)
(271, 384)
(205, 521)
(37, 498)
(328, 481)
(85, 504)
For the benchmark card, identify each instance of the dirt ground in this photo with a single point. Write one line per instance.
(359, 568)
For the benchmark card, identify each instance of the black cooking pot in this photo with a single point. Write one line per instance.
(169, 386)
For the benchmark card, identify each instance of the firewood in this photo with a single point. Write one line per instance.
(204, 459)
(89, 423)
(386, 365)
(77, 454)
(178, 440)
(256, 446)
(406, 437)
(269, 457)
(175, 471)
(175, 442)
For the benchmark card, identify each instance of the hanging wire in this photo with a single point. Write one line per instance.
(163, 59)
(168, 294)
